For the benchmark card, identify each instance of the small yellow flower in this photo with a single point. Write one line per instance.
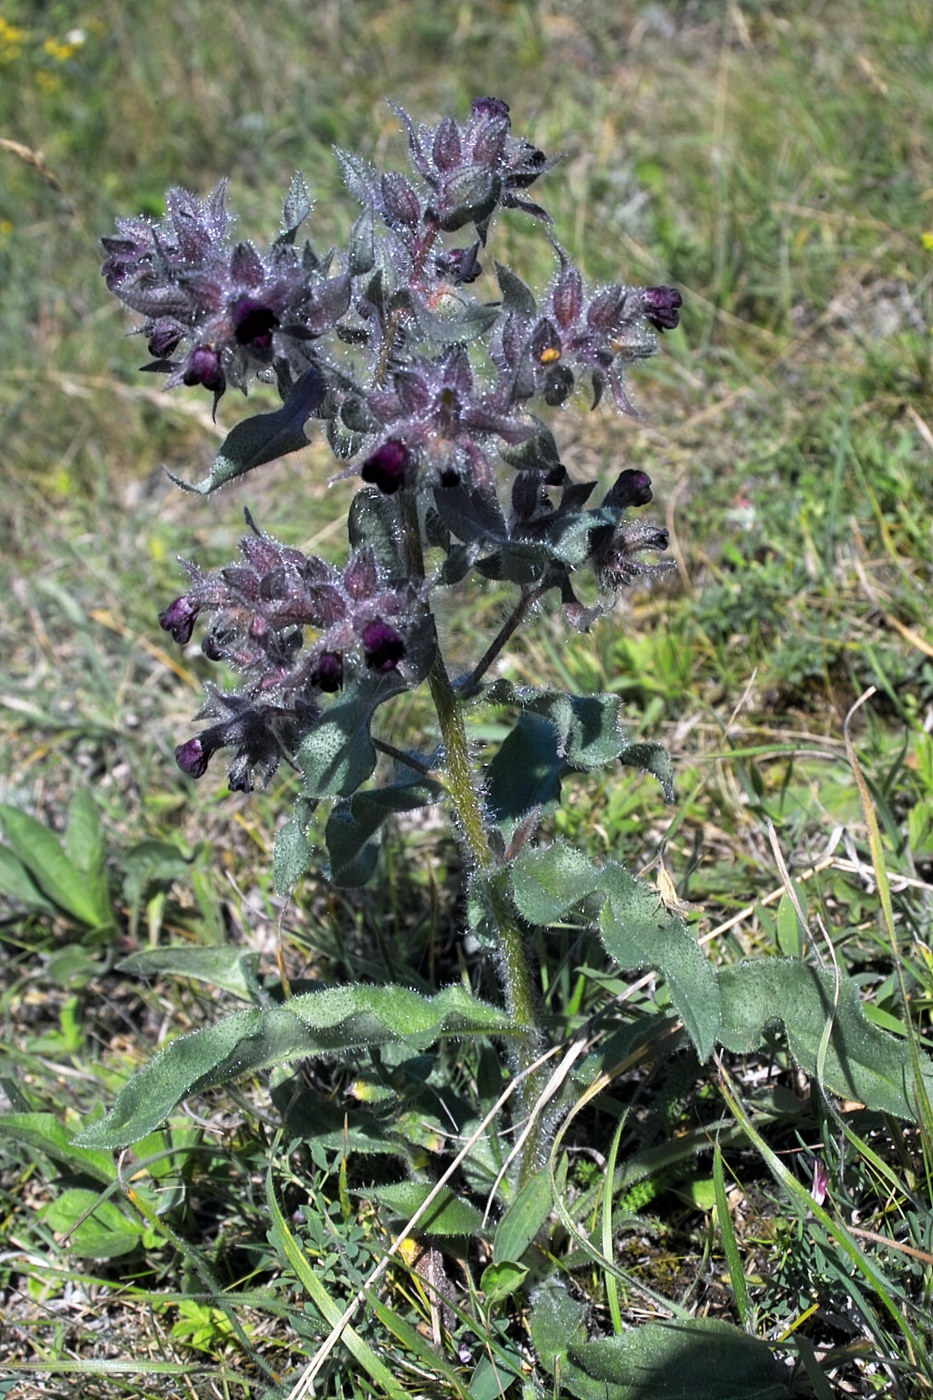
(11, 41)
(59, 51)
(927, 240)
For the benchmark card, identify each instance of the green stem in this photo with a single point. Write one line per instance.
(516, 962)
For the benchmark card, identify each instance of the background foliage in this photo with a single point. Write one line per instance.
(772, 160)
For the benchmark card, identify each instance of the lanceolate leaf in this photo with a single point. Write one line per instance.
(649, 1363)
(328, 1022)
(230, 968)
(67, 886)
(264, 437)
(862, 1062)
(446, 1215)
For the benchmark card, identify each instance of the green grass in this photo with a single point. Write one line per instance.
(773, 161)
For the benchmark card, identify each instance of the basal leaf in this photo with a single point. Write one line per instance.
(332, 1021)
(58, 879)
(652, 1361)
(862, 1062)
(264, 437)
(229, 968)
(16, 883)
(46, 1133)
(523, 1219)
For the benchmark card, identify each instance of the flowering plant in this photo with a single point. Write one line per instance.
(440, 402)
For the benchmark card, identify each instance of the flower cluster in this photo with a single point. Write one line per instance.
(298, 628)
(389, 328)
(217, 311)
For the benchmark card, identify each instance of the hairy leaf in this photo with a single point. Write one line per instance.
(230, 968)
(651, 1362)
(862, 1062)
(338, 755)
(446, 1215)
(264, 437)
(332, 1021)
(354, 823)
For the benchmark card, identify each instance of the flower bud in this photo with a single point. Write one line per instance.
(204, 368)
(662, 307)
(328, 674)
(632, 488)
(193, 757)
(179, 619)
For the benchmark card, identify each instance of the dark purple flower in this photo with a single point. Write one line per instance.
(253, 324)
(204, 367)
(193, 757)
(179, 619)
(328, 674)
(632, 488)
(385, 467)
(382, 646)
(662, 307)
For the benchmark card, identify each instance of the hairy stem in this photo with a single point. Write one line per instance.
(515, 960)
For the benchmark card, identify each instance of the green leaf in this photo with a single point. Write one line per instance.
(105, 1233)
(292, 853)
(264, 437)
(549, 881)
(654, 1361)
(337, 756)
(557, 1323)
(495, 1375)
(16, 883)
(86, 848)
(231, 969)
(638, 931)
(39, 850)
(46, 1133)
(588, 728)
(523, 1219)
(447, 1214)
(353, 823)
(500, 1281)
(524, 773)
(332, 1021)
(862, 1061)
